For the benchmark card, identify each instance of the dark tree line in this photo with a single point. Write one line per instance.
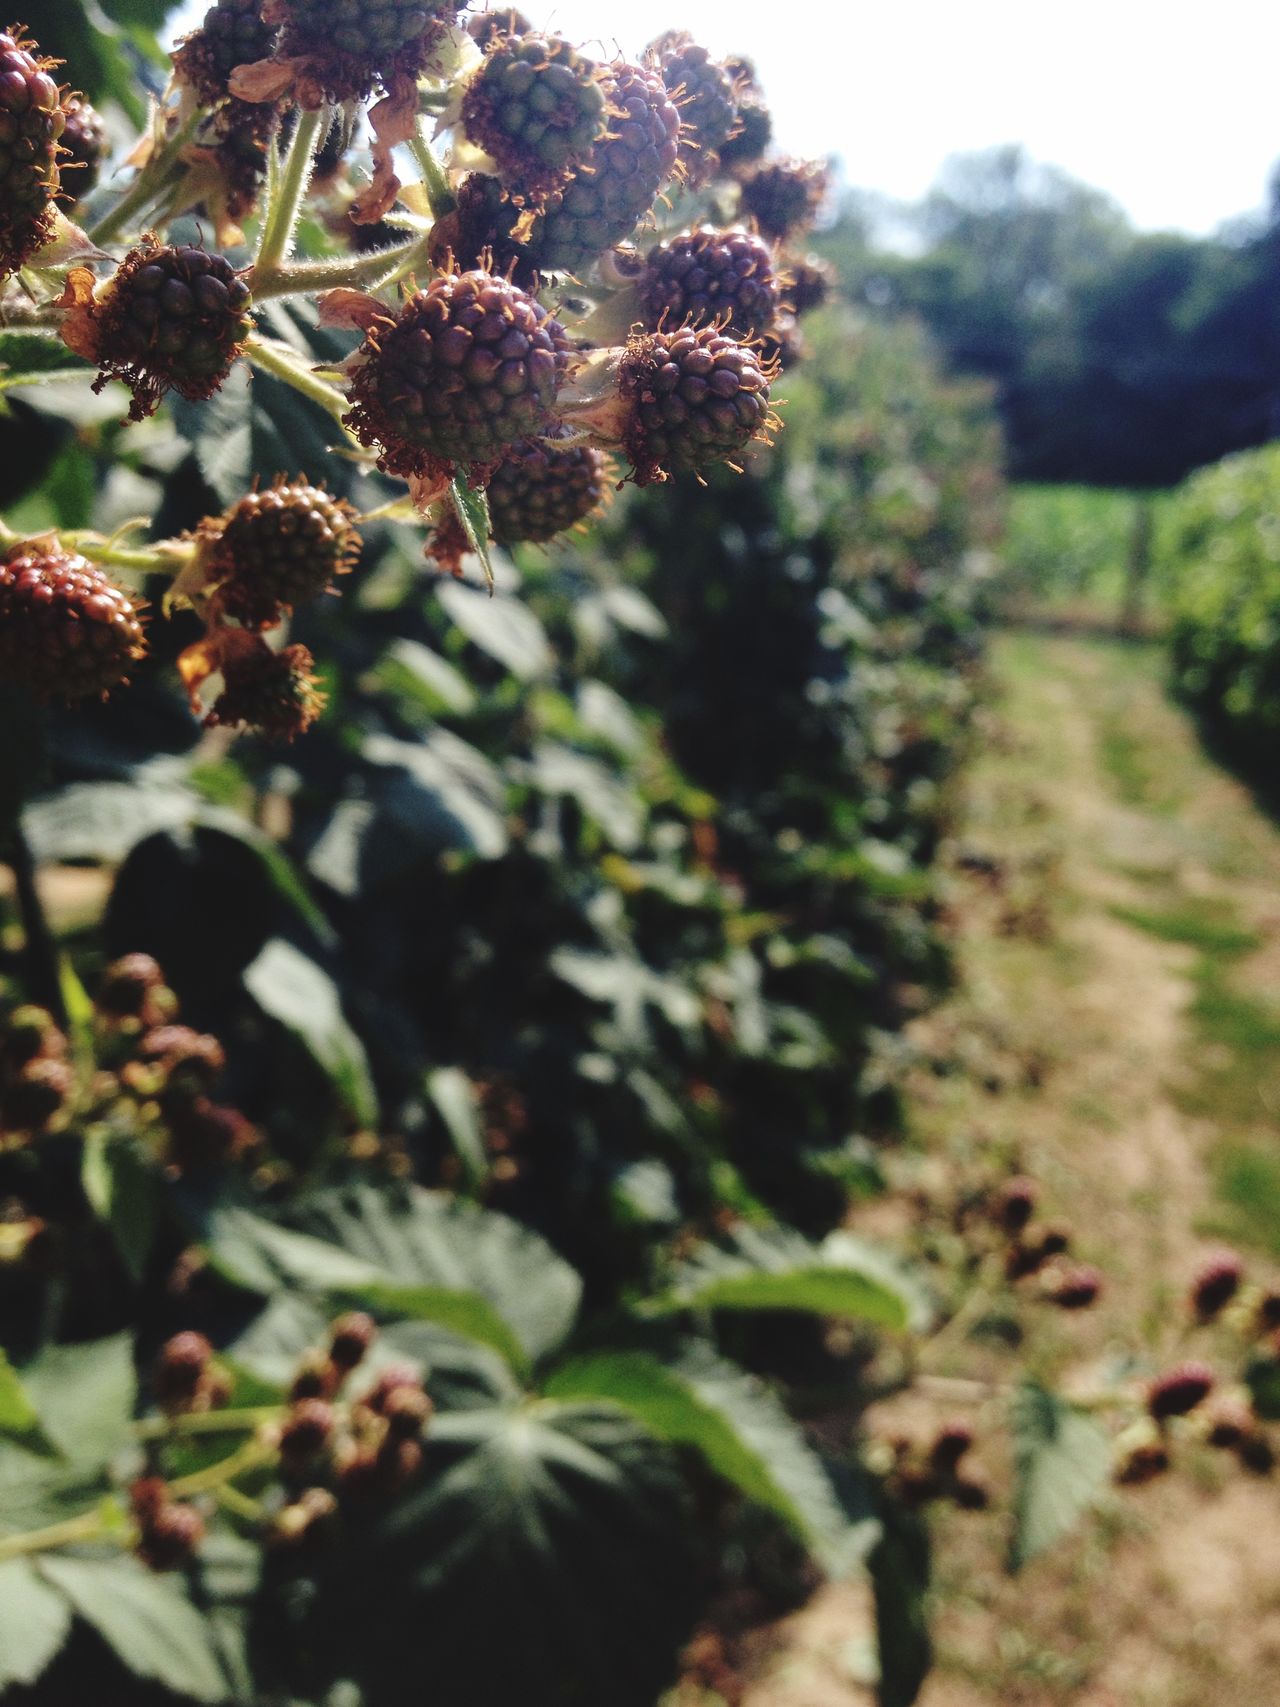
(1119, 358)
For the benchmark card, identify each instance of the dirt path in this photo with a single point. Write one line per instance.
(1115, 1033)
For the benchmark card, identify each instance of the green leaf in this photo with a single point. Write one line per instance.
(34, 1621)
(79, 1005)
(84, 1395)
(471, 506)
(503, 627)
(146, 1618)
(27, 355)
(739, 1427)
(19, 1419)
(899, 1566)
(427, 1240)
(123, 1188)
(1262, 1377)
(290, 987)
(775, 1269)
(455, 1100)
(1062, 1462)
(569, 1525)
(412, 671)
(412, 1255)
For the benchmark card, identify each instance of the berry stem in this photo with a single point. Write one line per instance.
(167, 557)
(89, 1526)
(251, 1456)
(280, 362)
(440, 196)
(304, 278)
(152, 180)
(205, 1422)
(284, 199)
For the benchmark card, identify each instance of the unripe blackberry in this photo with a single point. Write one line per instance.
(306, 1431)
(479, 233)
(84, 148)
(273, 693)
(30, 1031)
(539, 490)
(809, 284)
(299, 1522)
(32, 118)
(180, 1369)
(233, 33)
(276, 549)
(348, 46)
(35, 1094)
(1179, 1390)
(704, 93)
(692, 397)
(239, 143)
(350, 1337)
(708, 277)
(784, 196)
(1230, 1423)
(66, 631)
(204, 1134)
(390, 1380)
(536, 107)
(407, 1410)
(171, 318)
(1015, 1203)
(970, 1494)
(1140, 1455)
(317, 1377)
(751, 135)
(169, 1536)
(472, 365)
(193, 1057)
(128, 986)
(1074, 1288)
(616, 184)
(950, 1445)
(1216, 1284)
(485, 27)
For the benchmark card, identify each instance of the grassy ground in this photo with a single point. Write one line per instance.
(1115, 1033)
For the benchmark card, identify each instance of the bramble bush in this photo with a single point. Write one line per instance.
(429, 1182)
(1219, 564)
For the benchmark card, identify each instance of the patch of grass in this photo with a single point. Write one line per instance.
(1236, 1022)
(1198, 923)
(1247, 1177)
(1126, 764)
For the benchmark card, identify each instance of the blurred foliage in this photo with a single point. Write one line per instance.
(1073, 547)
(1120, 358)
(1219, 561)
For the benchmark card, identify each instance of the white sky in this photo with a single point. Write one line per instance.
(1169, 108)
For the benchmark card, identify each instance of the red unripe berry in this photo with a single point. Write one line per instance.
(169, 1536)
(1075, 1288)
(1179, 1390)
(306, 1431)
(350, 1337)
(950, 1444)
(1015, 1203)
(66, 631)
(1216, 1283)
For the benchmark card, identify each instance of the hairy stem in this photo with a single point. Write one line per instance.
(434, 181)
(305, 278)
(152, 180)
(248, 1417)
(280, 220)
(281, 363)
(166, 557)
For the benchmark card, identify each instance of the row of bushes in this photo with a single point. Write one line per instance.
(1220, 566)
(599, 903)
